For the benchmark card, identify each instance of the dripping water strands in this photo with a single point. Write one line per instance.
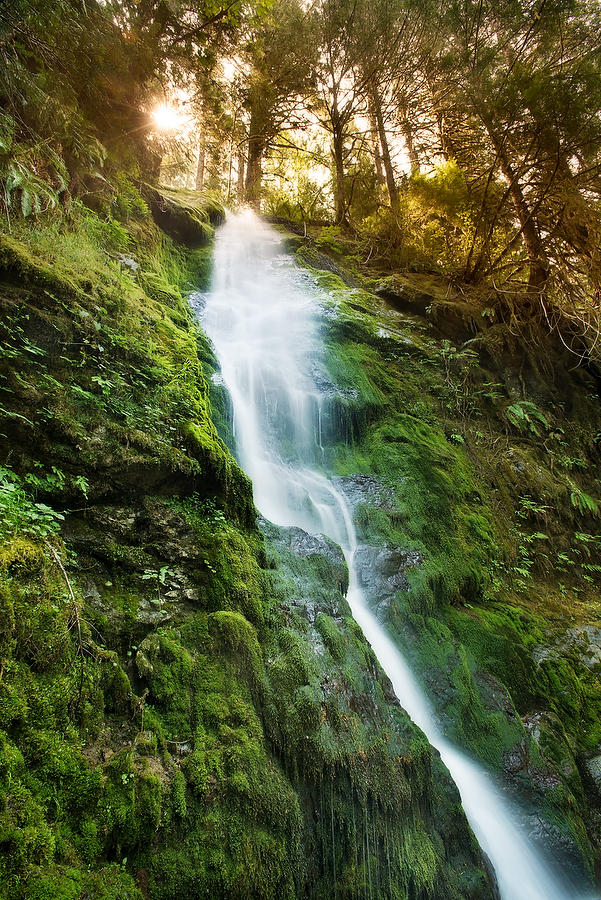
(262, 316)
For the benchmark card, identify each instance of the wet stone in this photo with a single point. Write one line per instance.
(325, 581)
(584, 641)
(198, 301)
(322, 383)
(515, 759)
(593, 767)
(128, 262)
(366, 489)
(382, 572)
(327, 388)
(152, 611)
(93, 597)
(304, 544)
(558, 844)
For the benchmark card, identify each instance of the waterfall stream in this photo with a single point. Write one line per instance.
(262, 315)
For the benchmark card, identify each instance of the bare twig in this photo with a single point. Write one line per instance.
(74, 605)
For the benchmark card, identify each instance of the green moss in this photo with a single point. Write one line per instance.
(488, 520)
(68, 883)
(178, 795)
(17, 261)
(186, 216)
(222, 718)
(132, 408)
(199, 267)
(332, 637)
(233, 633)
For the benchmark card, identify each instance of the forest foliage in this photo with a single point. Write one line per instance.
(457, 138)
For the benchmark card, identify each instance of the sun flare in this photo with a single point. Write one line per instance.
(167, 118)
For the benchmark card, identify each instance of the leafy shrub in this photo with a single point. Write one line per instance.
(128, 204)
(18, 512)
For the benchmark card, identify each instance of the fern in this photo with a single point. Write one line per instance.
(526, 416)
(26, 202)
(32, 177)
(584, 503)
(25, 191)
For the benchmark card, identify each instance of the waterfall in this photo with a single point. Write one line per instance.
(262, 315)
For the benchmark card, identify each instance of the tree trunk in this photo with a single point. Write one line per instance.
(579, 220)
(446, 142)
(256, 148)
(407, 130)
(254, 171)
(373, 127)
(200, 168)
(538, 262)
(340, 193)
(230, 160)
(241, 167)
(376, 104)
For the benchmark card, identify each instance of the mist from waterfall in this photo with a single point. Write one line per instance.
(262, 316)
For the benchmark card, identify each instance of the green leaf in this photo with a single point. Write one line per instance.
(26, 203)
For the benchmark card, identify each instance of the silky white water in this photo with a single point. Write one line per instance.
(262, 315)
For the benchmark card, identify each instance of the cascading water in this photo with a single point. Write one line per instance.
(262, 316)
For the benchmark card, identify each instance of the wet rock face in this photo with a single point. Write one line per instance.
(366, 489)
(538, 766)
(321, 586)
(151, 546)
(350, 700)
(404, 296)
(586, 639)
(128, 262)
(304, 544)
(198, 301)
(548, 834)
(593, 768)
(178, 213)
(317, 260)
(300, 542)
(382, 572)
(327, 388)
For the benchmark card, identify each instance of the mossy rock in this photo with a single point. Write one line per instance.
(189, 218)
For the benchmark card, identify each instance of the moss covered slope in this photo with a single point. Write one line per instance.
(184, 712)
(472, 463)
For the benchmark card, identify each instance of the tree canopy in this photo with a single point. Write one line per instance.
(462, 138)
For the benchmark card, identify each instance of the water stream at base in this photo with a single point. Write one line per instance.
(262, 315)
